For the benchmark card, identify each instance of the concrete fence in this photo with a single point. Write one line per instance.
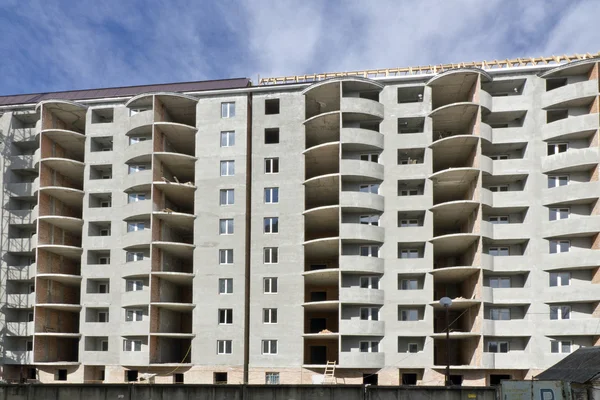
(238, 392)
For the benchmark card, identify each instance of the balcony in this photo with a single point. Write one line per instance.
(360, 233)
(584, 226)
(136, 238)
(22, 217)
(138, 179)
(361, 264)
(362, 328)
(510, 360)
(20, 245)
(573, 160)
(26, 189)
(136, 269)
(135, 298)
(12, 357)
(357, 170)
(19, 328)
(139, 149)
(135, 328)
(140, 119)
(574, 191)
(573, 127)
(570, 95)
(22, 162)
(356, 295)
(360, 201)
(135, 358)
(357, 105)
(356, 359)
(357, 139)
(20, 300)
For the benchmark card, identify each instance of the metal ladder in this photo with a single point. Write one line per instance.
(329, 374)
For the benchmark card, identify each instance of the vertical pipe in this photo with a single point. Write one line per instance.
(447, 346)
(247, 271)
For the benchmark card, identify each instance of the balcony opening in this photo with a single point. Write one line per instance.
(503, 88)
(412, 94)
(411, 344)
(104, 143)
(556, 115)
(220, 378)
(96, 343)
(100, 286)
(411, 125)
(321, 321)
(102, 115)
(411, 219)
(271, 106)
(412, 187)
(411, 156)
(370, 379)
(508, 151)
(461, 352)
(555, 83)
(98, 257)
(507, 119)
(100, 200)
(407, 250)
(131, 375)
(409, 378)
(99, 228)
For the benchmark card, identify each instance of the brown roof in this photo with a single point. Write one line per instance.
(87, 94)
(581, 366)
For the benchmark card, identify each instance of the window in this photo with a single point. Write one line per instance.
(30, 317)
(405, 223)
(134, 285)
(103, 288)
(225, 256)
(409, 379)
(102, 316)
(499, 188)
(226, 197)
(269, 315)
(220, 377)
(409, 314)
(271, 225)
(369, 347)
(559, 213)
(104, 232)
(224, 347)
(228, 110)
(227, 138)
(500, 314)
(270, 285)
(409, 192)
(225, 316)
(409, 284)
(136, 168)
(61, 375)
(103, 260)
(272, 378)
(560, 279)
(499, 282)
(132, 345)
(135, 226)
(271, 165)
(373, 157)
(271, 255)
(498, 347)
(560, 346)
(272, 195)
(135, 197)
(555, 148)
(369, 188)
(137, 139)
(557, 180)
(498, 219)
(227, 168)
(413, 347)
(105, 204)
(271, 106)
(104, 345)
(133, 315)
(269, 347)
(369, 282)
(369, 314)
(369, 251)
(409, 253)
(560, 312)
(225, 285)
(369, 220)
(226, 226)
(498, 251)
(272, 136)
(559, 246)
(134, 256)
(499, 157)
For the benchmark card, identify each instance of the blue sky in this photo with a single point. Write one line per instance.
(52, 45)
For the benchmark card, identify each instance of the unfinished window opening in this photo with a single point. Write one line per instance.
(271, 106)
(413, 94)
(103, 115)
(220, 378)
(411, 125)
(271, 135)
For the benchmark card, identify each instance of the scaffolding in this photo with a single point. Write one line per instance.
(429, 69)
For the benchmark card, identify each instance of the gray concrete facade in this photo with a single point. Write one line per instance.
(252, 235)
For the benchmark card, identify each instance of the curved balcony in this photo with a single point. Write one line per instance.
(176, 190)
(458, 76)
(506, 231)
(327, 305)
(69, 168)
(455, 176)
(322, 159)
(575, 192)
(66, 279)
(353, 264)
(174, 306)
(181, 137)
(136, 239)
(141, 100)
(453, 119)
(71, 252)
(182, 165)
(179, 278)
(359, 327)
(582, 259)
(356, 295)
(322, 249)
(182, 220)
(511, 199)
(455, 243)
(579, 67)
(135, 328)
(135, 358)
(179, 250)
(322, 277)
(361, 201)
(140, 124)
(322, 191)
(486, 132)
(453, 274)
(449, 212)
(137, 180)
(71, 141)
(358, 170)
(135, 298)
(322, 128)
(513, 264)
(66, 307)
(69, 224)
(571, 128)
(458, 144)
(572, 95)
(356, 359)
(140, 150)
(137, 209)
(367, 107)
(358, 139)
(573, 160)
(333, 83)
(136, 269)
(572, 227)
(321, 222)
(360, 233)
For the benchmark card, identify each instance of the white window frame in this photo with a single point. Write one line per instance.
(498, 157)
(134, 315)
(558, 244)
(554, 180)
(135, 197)
(227, 139)
(560, 346)
(270, 285)
(105, 232)
(103, 315)
(133, 256)
(228, 109)
(562, 279)
(226, 226)
(270, 316)
(499, 251)
(133, 168)
(497, 314)
(372, 220)
(271, 225)
(409, 223)
(225, 316)
(105, 204)
(498, 188)
(132, 345)
(412, 348)
(272, 165)
(369, 188)
(368, 346)
(498, 344)
(408, 253)
(499, 280)
(135, 226)
(226, 197)
(225, 256)
(103, 288)
(271, 255)
(409, 192)
(369, 314)
(498, 219)
(407, 313)
(558, 213)
(370, 157)
(369, 251)
(269, 347)
(224, 347)
(560, 313)
(554, 148)
(369, 282)
(227, 167)
(407, 284)
(134, 285)
(270, 194)
(137, 139)
(103, 260)
(225, 286)
(271, 378)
